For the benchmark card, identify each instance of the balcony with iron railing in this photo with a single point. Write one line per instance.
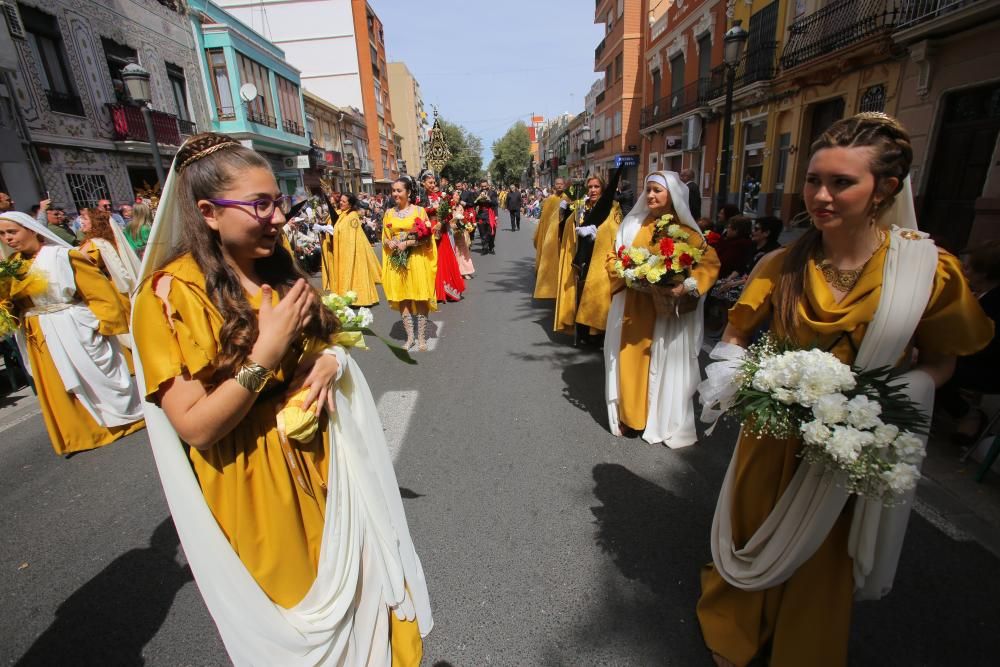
(262, 118)
(688, 98)
(949, 15)
(293, 127)
(840, 24)
(600, 98)
(128, 125)
(759, 63)
(599, 50)
(187, 128)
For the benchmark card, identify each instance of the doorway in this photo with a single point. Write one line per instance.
(962, 156)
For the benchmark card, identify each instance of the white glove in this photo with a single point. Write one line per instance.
(323, 228)
(590, 231)
(564, 204)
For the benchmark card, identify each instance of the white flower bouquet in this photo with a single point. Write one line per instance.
(857, 422)
(355, 324)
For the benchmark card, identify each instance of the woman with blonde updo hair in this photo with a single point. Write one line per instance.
(790, 548)
(268, 444)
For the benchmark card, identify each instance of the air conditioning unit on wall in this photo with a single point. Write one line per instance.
(691, 133)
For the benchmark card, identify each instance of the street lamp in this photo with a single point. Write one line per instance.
(735, 40)
(136, 80)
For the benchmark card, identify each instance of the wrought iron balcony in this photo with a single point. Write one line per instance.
(599, 50)
(691, 96)
(915, 12)
(226, 113)
(293, 127)
(129, 125)
(838, 25)
(757, 64)
(186, 127)
(600, 98)
(65, 103)
(262, 118)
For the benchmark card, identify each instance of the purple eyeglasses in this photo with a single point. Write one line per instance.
(263, 208)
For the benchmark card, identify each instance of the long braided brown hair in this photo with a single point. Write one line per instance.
(208, 164)
(892, 155)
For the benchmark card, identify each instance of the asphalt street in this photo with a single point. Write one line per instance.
(545, 540)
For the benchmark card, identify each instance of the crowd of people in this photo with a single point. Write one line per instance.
(282, 488)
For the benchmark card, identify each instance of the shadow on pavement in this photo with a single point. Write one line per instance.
(113, 616)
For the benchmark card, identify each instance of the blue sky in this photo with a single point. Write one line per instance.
(488, 64)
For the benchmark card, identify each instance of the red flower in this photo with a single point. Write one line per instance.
(421, 229)
(713, 237)
(621, 251)
(666, 247)
(685, 260)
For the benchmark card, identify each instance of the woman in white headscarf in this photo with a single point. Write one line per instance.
(651, 357)
(70, 314)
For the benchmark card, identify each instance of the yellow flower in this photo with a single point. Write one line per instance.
(300, 424)
(641, 270)
(638, 255)
(656, 273)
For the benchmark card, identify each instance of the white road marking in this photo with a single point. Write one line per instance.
(396, 408)
(940, 521)
(19, 420)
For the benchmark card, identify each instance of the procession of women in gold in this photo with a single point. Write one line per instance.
(266, 437)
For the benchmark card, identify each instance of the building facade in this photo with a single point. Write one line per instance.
(682, 76)
(87, 140)
(615, 122)
(339, 45)
(949, 99)
(411, 117)
(253, 91)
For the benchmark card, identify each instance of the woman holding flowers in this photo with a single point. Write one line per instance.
(409, 262)
(355, 267)
(464, 222)
(659, 274)
(69, 316)
(448, 282)
(296, 537)
(789, 552)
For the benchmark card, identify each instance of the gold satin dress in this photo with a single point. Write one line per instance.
(546, 242)
(806, 620)
(355, 266)
(274, 524)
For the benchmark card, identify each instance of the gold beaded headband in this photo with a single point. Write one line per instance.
(874, 115)
(205, 152)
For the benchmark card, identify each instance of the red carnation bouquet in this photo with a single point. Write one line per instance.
(712, 238)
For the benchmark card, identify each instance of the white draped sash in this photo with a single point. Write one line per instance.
(815, 497)
(90, 365)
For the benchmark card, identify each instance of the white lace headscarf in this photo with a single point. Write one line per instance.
(28, 222)
(678, 200)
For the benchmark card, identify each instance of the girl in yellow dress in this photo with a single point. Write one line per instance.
(651, 357)
(409, 283)
(299, 546)
(69, 314)
(828, 289)
(355, 267)
(107, 246)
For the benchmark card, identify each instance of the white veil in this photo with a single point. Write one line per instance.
(28, 222)
(673, 366)
(364, 520)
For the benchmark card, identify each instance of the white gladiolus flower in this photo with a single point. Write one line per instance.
(846, 443)
(815, 433)
(786, 396)
(366, 317)
(629, 275)
(885, 434)
(864, 412)
(831, 408)
(908, 447)
(349, 313)
(351, 295)
(690, 285)
(901, 477)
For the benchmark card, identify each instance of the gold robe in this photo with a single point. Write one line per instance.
(70, 425)
(355, 266)
(274, 525)
(638, 322)
(566, 297)
(546, 242)
(807, 618)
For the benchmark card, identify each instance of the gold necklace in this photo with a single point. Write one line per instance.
(844, 280)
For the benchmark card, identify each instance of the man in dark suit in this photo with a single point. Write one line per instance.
(514, 207)
(694, 193)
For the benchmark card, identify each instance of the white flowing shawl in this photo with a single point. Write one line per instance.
(122, 262)
(367, 563)
(815, 497)
(90, 365)
(677, 340)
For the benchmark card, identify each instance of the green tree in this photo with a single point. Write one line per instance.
(466, 163)
(511, 155)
